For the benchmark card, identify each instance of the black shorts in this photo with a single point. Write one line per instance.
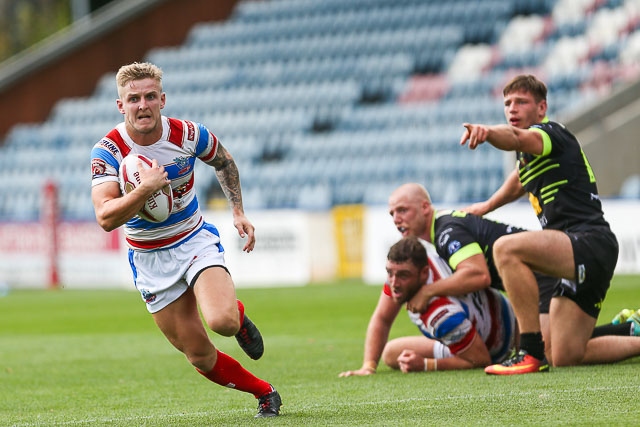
(595, 254)
(546, 286)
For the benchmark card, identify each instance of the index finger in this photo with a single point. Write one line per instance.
(466, 134)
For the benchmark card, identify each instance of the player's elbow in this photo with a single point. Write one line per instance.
(106, 226)
(105, 223)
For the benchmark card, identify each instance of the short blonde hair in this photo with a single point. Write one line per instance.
(138, 71)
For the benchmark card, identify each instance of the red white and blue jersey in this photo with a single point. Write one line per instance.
(182, 142)
(454, 321)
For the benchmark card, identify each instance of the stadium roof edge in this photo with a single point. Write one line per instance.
(78, 34)
(621, 97)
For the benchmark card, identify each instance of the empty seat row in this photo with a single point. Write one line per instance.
(338, 102)
(389, 16)
(412, 40)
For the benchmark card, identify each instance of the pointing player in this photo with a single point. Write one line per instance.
(178, 265)
(575, 244)
(463, 332)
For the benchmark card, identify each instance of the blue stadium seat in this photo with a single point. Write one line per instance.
(630, 188)
(308, 97)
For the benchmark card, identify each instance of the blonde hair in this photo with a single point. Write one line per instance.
(138, 71)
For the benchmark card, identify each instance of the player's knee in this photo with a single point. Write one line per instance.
(503, 253)
(566, 361)
(499, 250)
(568, 357)
(390, 357)
(225, 325)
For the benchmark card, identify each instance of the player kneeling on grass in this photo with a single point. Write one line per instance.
(176, 257)
(469, 331)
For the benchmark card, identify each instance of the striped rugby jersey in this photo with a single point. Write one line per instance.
(454, 320)
(182, 142)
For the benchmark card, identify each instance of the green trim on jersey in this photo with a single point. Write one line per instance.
(437, 214)
(592, 176)
(546, 141)
(537, 167)
(464, 253)
(550, 190)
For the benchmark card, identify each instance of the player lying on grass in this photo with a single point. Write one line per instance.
(469, 331)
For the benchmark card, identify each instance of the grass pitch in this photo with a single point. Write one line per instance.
(95, 358)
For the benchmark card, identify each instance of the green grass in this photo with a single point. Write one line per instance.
(80, 358)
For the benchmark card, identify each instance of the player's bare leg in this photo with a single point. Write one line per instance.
(181, 323)
(571, 329)
(216, 297)
(223, 313)
(517, 256)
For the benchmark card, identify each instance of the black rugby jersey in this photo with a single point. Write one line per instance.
(458, 235)
(561, 185)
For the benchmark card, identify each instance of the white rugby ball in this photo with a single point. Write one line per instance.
(159, 205)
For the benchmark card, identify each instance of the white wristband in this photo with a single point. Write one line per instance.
(426, 364)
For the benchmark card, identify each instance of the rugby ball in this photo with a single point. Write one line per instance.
(159, 205)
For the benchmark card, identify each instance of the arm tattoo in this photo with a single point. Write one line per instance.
(228, 176)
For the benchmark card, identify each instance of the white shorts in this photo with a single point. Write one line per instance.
(163, 276)
(440, 351)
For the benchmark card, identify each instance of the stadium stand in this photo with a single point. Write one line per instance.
(335, 102)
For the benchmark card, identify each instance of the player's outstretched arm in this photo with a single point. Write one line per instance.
(377, 335)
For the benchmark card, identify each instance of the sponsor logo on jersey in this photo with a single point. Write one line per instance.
(98, 167)
(191, 131)
(543, 221)
(108, 145)
(181, 190)
(453, 247)
(182, 163)
(444, 237)
(582, 273)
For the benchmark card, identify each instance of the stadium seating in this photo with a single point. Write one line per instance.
(337, 102)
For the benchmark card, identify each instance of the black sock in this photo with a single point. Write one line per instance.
(532, 343)
(622, 329)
